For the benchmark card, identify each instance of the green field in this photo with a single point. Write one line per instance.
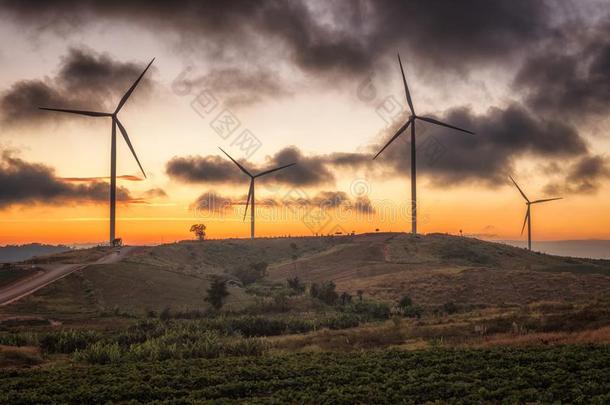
(574, 374)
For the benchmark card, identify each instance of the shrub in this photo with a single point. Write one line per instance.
(343, 321)
(450, 308)
(345, 298)
(68, 341)
(295, 285)
(325, 292)
(314, 290)
(405, 302)
(165, 314)
(217, 292)
(19, 339)
(100, 353)
(370, 310)
(251, 273)
(413, 312)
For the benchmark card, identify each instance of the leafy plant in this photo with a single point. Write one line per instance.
(217, 292)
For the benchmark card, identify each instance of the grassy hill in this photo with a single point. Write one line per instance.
(142, 326)
(432, 269)
(436, 268)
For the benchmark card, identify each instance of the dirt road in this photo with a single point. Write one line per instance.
(23, 288)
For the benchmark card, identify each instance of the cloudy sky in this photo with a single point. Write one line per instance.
(312, 82)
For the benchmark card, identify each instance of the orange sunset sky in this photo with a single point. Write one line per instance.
(313, 83)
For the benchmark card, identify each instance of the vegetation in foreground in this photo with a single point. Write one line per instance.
(574, 374)
(212, 327)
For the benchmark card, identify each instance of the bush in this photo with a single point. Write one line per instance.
(314, 290)
(68, 341)
(19, 339)
(295, 285)
(345, 298)
(450, 308)
(370, 310)
(251, 273)
(217, 292)
(100, 353)
(413, 312)
(405, 302)
(343, 321)
(325, 292)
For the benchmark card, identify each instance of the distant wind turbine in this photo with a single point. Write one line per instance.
(411, 121)
(528, 213)
(250, 199)
(115, 123)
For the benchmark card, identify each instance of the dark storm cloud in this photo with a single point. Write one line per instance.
(570, 78)
(502, 136)
(211, 201)
(208, 169)
(445, 157)
(309, 171)
(85, 80)
(333, 40)
(319, 36)
(584, 176)
(235, 87)
(456, 34)
(22, 182)
(347, 38)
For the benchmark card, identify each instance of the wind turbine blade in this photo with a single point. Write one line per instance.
(132, 88)
(407, 92)
(243, 169)
(519, 188)
(547, 199)
(249, 197)
(437, 122)
(527, 214)
(126, 137)
(396, 135)
(79, 112)
(274, 170)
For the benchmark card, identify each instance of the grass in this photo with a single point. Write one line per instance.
(435, 269)
(569, 374)
(140, 331)
(10, 274)
(19, 357)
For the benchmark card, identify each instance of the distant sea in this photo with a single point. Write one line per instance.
(18, 253)
(592, 249)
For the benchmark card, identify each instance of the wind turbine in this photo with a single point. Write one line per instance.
(411, 121)
(251, 190)
(528, 213)
(115, 123)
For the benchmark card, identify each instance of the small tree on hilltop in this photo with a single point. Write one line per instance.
(217, 292)
(199, 231)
